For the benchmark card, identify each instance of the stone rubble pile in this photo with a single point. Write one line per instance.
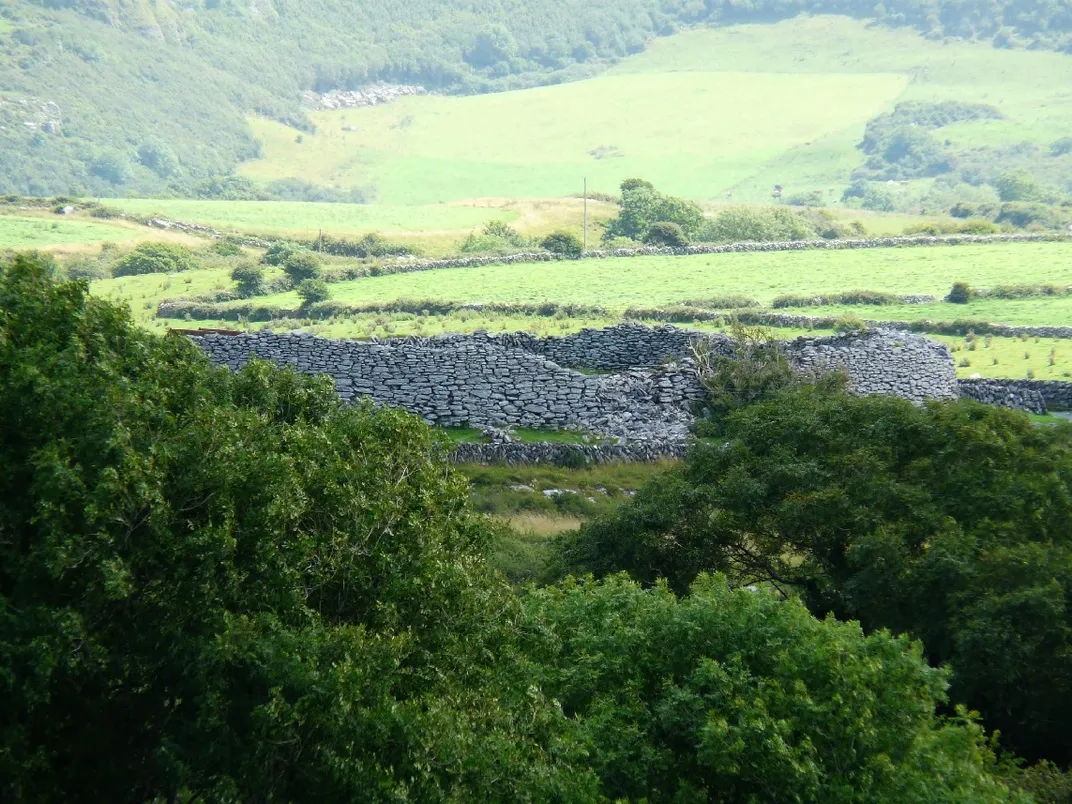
(374, 95)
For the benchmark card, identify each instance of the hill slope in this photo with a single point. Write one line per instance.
(101, 96)
(704, 113)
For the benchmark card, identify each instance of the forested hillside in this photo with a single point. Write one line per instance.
(108, 96)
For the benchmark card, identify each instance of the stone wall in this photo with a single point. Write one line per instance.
(518, 454)
(482, 380)
(1006, 393)
(521, 380)
(887, 362)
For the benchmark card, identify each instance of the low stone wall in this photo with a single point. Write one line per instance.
(1007, 394)
(568, 454)
(480, 381)
(1034, 396)
(887, 362)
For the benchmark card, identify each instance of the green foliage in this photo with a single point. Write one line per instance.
(1029, 215)
(756, 368)
(1019, 185)
(960, 293)
(249, 278)
(643, 206)
(235, 587)
(666, 234)
(723, 694)
(313, 291)
(280, 251)
(154, 258)
(227, 248)
(974, 226)
(850, 325)
(950, 522)
(740, 224)
(301, 265)
(1061, 147)
(867, 297)
(564, 243)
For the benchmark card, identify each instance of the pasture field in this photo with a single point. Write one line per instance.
(305, 220)
(703, 114)
(30, 232)
(653, 281)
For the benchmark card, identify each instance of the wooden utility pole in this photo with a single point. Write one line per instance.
(586, 213)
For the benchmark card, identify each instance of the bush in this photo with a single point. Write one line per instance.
(667, 234)
(810, 199)
(249, 278)
(302, 265)
(227, 248)
(1031, 216)
(154, 258)
(850, 325)
(105, 212)
(967, 209)
(741, 224)
(503, 231)
(1019, 185)
(313, 291)
(1061, 147)
(976, 226)
(960, 293)
(86, 268)
(564, 243)
(280, 251)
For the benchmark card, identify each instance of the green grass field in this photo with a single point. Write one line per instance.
(301, 219)
(17, 232)
(648, 281)
(702, 114)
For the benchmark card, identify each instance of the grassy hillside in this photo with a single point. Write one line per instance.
(704, 113)
(141, 96)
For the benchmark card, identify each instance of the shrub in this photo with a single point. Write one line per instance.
(740, 224)
(1019, 185)
(105, 212)
(503, 231)
(302, 265)
(313, 291)
(665, 233)
(960, 293)
(564, 243)
(809, 199)
(850, 325)
(1061, 147)
(1024, 215)
(642, 206)
(227, 248)
(85, 268)
(249, 278)
(280, 251)
(976, 226)
(154, 258)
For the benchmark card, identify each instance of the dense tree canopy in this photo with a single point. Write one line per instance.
(232, 587)
(951, 522)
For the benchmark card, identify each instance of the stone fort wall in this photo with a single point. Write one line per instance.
(522, 380)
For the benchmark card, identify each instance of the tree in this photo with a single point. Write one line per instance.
(562, 242)
(154, 258)
(732, 696)
(302, 265)
(280, 251)
(951, 522)
(960, 293)
(249, 278)
(234, 587)
(1018, 185)
(642, 206)
(313, 291)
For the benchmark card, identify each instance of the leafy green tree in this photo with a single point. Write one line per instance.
(733, 696)
(249, 278)
(643, 206)
(154, 258)
(1019, 185)
(951, 522)
(960, 293)
(739, 224)
(233, 587)
(313, 291)
(302, 265)
(564, 243)
(280, 251)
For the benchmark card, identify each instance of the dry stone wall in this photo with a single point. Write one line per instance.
(1007, 394)
(524, 381)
